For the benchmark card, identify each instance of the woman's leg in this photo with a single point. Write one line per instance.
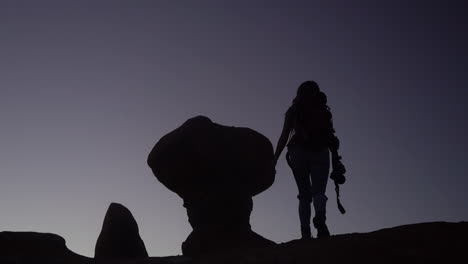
(319, 172)
(298, 161)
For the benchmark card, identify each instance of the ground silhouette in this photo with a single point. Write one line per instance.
(437, 242)
(33, 247)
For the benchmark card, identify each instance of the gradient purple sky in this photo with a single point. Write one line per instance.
(88, 87)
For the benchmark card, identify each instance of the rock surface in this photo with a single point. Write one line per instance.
(216, 170)
(119, 237)
(32, 247)
(438, 242)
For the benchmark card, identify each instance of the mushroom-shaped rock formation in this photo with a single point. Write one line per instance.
(119, 237)
(216, 170)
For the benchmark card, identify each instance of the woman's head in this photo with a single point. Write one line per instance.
(307, 88)
(309, 92)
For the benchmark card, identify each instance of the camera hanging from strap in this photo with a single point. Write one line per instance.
(340, 206)
(338, 177)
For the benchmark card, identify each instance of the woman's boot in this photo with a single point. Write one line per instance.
(319, 224)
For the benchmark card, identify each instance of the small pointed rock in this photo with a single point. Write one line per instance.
(119, 237)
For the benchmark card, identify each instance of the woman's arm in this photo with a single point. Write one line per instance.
(283, 139)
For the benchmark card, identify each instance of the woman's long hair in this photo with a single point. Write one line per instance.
(308, 95)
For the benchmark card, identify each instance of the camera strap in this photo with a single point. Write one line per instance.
(340, 206)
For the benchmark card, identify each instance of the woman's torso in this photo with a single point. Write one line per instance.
(311, 127)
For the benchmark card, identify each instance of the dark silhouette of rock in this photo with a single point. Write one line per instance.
(119, 237)
(437, 242)
(216, 170)
(32, 247)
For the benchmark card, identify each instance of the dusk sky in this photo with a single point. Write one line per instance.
(88, 87)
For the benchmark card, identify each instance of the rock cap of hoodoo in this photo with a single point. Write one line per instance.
(201, 156)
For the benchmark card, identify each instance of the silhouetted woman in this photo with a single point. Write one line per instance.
(309, 134)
